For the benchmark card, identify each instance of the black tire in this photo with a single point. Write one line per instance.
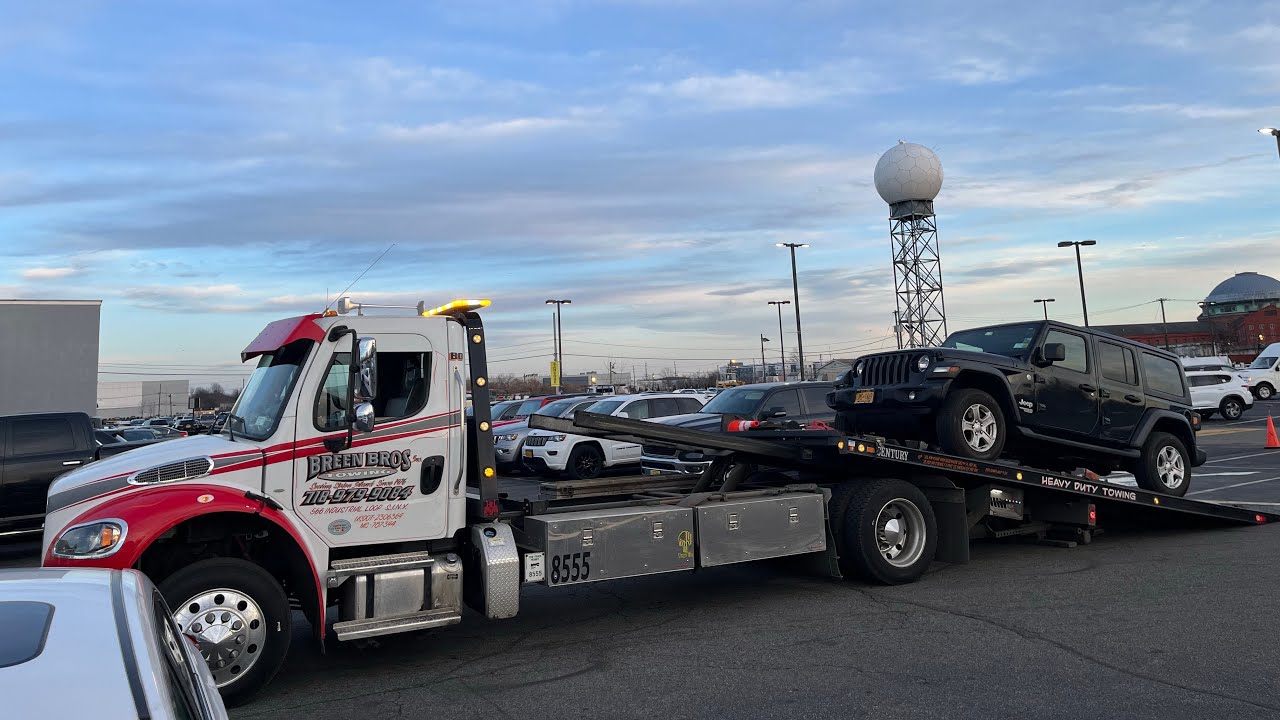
(1155, 465)
(585, 462)
(954, 434)
(1205, 414)
(206, 576)
(865, 545)
(1264, 391)
(1232, 408)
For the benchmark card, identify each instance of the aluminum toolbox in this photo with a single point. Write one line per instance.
(763, 527)
(612, 543)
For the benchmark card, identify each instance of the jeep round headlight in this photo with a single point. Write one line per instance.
(922, 363)
(857, 369)
(91, 540)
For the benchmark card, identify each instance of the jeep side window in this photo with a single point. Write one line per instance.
(1077, 355)
(1116, 363)
(1163, 375)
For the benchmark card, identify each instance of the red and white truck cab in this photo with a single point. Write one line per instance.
(321, 463)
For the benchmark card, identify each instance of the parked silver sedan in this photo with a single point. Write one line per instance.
(109, 630)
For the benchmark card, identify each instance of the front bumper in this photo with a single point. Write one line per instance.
(672, 466)
(906, 412)
(551, 457)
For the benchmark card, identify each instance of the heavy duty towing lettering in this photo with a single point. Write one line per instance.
(347, 477)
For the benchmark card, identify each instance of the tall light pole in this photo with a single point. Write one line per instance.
(1080, 269)
(1044, 303)
(795, 293)
(1274, 132)
(1163, 321)
(782, 341)
(559, 338)
(764, 369)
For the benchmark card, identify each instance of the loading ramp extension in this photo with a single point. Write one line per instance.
(835, 454)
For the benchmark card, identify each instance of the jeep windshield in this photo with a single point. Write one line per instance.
(736, 401)
(258, 410)
(1013, 341)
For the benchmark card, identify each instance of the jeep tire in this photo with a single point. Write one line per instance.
(972, 425)
(1164, 466)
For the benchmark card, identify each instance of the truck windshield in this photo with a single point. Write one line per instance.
(1263, 362)
(737, 401)
(258, 410)
(1013, 341)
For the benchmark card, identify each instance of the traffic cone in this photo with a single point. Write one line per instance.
(1273, 443)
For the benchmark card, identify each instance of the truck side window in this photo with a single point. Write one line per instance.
(403, 384)
(39, 436)
(331, 403)
(788, 400)
(1077, 354)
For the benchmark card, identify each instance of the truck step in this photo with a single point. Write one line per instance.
(380, 563)
(357, 629)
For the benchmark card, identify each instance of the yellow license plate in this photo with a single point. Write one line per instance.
(864, 396)
(528, 453)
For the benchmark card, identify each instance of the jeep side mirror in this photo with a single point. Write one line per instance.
(775, 412)
(1054, 352)
(367, 368)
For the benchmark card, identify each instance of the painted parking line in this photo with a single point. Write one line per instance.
(1235, 485)
(1240, 457)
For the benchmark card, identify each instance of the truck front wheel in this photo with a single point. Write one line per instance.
(239, 616)
(889, 531)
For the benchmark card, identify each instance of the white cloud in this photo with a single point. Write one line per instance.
(49, 273)
(478, 129)
(742, 89)
(1191, 111)
(982, 70)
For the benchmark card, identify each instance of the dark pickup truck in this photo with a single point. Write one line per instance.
(35, 449)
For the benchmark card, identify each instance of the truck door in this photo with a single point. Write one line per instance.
(1066, 391)
(37, 450)
(1119, 392)
(391, 483)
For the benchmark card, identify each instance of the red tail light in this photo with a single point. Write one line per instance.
(184, 433)
(1093, 515)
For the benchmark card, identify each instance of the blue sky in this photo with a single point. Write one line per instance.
(206, 167)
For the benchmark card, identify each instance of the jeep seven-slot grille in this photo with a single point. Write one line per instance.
(174, 471)
(892, 369)
(536, 440)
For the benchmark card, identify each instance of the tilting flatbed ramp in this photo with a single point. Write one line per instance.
(848, 457)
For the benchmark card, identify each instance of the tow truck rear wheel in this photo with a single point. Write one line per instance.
(239, 616)
(888, 531)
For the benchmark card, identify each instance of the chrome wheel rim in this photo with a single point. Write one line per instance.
(1232, 410)
(1264, 392)
(900, 533)
(978, 425)
(229, 628)
(1170, 468)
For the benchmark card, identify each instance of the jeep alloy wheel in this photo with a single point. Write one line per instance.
(1170, 468)
(978, 424)
(971, 424)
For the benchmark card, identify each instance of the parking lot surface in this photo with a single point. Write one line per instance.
(1148, 624)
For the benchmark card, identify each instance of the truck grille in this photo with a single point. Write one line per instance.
(658, 451)
(894, 369)
(173, 472)
(536, 440)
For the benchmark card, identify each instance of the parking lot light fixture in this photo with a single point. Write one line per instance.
(795, 294)
(1274, 132)
(1080, 270)
(782, 343)
(1044, 303)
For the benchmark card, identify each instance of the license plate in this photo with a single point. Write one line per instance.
(864, 396)
(655, 472)
(528, 453)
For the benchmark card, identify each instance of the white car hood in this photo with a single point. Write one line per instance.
(147, 456)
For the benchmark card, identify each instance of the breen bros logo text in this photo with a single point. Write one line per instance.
(354, 467)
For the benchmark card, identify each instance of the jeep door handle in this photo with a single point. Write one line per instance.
(1133, 398)
(1088, 388)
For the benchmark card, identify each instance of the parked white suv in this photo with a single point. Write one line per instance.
(1221, 391)
(582, 457)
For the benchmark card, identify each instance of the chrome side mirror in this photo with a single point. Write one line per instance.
(345, 305)
(364, 417)
(367, 367)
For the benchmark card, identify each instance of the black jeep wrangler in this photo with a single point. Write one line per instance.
(1047, 394)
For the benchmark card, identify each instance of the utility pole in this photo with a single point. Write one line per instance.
(764, 369)
(795, 293)
(782, 340)
(1164, 322)
(1084, 307)
(558, 333)
(555, 354)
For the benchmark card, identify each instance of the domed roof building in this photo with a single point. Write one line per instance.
(1241, 293)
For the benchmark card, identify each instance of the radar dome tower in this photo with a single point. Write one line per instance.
(908, 177)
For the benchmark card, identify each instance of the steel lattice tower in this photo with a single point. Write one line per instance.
(917, 273)
(908, 178)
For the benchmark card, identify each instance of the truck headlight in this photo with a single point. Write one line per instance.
(922, 363)
(91, 540)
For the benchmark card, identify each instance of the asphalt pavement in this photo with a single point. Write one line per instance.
(1145, 624)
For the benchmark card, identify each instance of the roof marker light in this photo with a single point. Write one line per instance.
(457, 306)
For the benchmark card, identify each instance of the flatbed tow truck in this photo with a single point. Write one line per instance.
(348, 477)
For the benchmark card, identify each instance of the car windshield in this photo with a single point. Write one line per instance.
(560, 408)
(1263, 362)
(737, 401)
(1013, 341)
(527, 407)
(604, 407)
(138, 434)
(258, 409)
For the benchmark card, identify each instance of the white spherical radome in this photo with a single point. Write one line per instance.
(908, 171)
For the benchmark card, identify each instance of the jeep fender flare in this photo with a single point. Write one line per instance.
(994, 382)
(1181, 427)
